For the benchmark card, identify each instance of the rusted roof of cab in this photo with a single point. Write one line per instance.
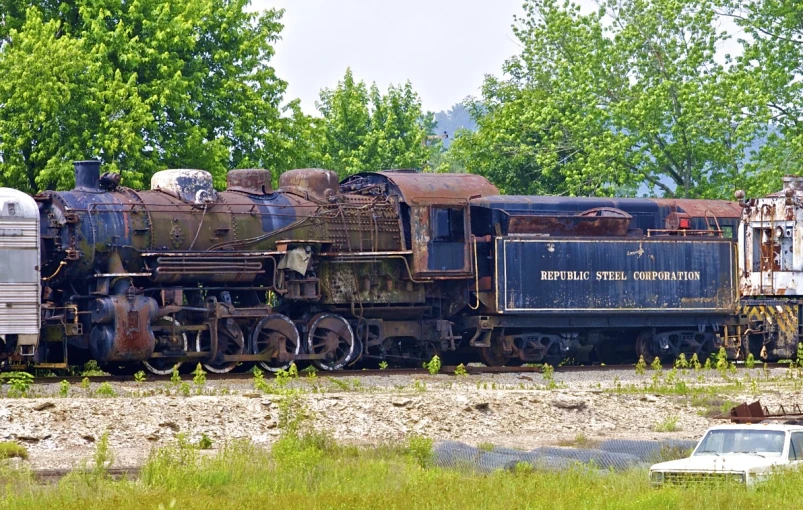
(431, 187)
(701, 208)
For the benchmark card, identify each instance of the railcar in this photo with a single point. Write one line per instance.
(771, 271)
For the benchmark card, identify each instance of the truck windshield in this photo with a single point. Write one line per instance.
(760, 442)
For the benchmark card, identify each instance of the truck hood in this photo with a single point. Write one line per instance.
(711, 463)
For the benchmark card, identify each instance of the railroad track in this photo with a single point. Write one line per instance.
(445, 370)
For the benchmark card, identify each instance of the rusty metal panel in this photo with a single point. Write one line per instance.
(571, 275)
(703, 208)
(420, 188)
(312, 183)
(254, 181)
(575, 225)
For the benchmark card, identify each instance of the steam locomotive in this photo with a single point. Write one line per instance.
(393, 265)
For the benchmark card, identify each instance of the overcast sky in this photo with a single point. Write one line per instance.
(444, 47)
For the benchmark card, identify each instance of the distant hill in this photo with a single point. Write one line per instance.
(451, 121)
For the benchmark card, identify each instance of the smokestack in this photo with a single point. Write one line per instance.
(87, 175)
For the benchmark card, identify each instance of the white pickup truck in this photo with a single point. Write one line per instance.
(737, 453)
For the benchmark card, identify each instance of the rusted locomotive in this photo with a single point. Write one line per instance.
(394, 265)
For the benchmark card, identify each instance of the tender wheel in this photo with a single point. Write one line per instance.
(331, 335)
(161, 366)
(277, 336)
(230, 342)
(493, 356)
(644, 347)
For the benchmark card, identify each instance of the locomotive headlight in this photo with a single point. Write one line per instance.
(656, 477)
(778, 232)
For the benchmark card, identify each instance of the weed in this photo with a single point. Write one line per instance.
(694, 362)
(260, 384)
(199, 377)
(204, 443)
(282, 377)
(140, 376)
(64, 389)
(460, 370)
(85, 383)
(105, 390)
(800, 354)
(184, 388)
(656, 364)
(434, 365)
(722, 360)
(641, 366)
(20, 383)
(549, 376)
(175, 378)
(103, 457)
(670, 424)
(420, 449)
(486, 447)
(9, 449)
(750, 362)
(707, 365)
(419, 386)
(292, 372)
(681, 362)
(91, 369)
(383, 365)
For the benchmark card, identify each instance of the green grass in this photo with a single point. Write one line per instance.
(9, 449)
(315, 472)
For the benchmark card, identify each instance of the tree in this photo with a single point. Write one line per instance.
(365, 130)
(772, 63)
(601, 103)
(143, 86)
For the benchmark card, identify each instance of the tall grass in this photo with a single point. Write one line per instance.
(316, 472)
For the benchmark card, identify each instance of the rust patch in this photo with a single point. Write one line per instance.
(254, 181)
(312, 183)
(595, 222)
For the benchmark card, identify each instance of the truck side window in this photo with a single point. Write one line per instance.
(796, 446)
(448, 224)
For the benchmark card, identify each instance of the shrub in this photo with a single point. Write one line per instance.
(641, 366)
(106, 390)
(9, 449)
(460, 370)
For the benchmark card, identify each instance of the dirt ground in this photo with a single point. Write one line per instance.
(506, 410)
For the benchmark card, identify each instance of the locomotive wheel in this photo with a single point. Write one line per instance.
(229, 343)
(332, 335)
(273, 335)
(493, 356)
(161, 366)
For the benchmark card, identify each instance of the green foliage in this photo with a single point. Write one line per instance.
(175, 378)
(9, 449)
(64, 389)
(682, 362)
(656, 364)
(750, 362)
(184, 388)
(292, 371)
(19, 384)
(420, 449)
(669, 424)
(282, 377)
(85, 383)
(103, 457)
(383, 365)
(799, 357)
(105, 390)
(722, 360)
(363, 129)
(707, 365)
(140, 376)
(205, 443)
(695, 362)
(600, 102)
(434, 365)
(91, 369)
(641, 366)
(144, 86)
(199, 377)
(460, 370)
